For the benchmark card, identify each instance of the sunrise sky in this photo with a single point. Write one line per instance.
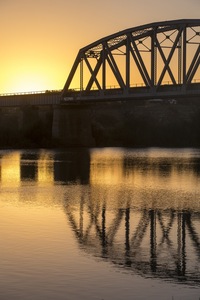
(40, 39)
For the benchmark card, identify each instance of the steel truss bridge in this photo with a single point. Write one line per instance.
(164, 57)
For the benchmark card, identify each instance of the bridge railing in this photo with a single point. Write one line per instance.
(139, 90)
(133, 85)
(49, 97)
(136, 92)
(31, 93)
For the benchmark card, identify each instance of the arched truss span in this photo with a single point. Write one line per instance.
(149, 56)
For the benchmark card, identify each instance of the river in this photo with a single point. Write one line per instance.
(100, 224)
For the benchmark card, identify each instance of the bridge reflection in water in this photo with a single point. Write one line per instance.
(141, 213)
(139, 210)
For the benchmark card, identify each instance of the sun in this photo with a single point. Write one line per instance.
(30, 76)
(29, 82)
(27, 75)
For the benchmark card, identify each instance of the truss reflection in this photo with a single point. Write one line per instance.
(153, 242)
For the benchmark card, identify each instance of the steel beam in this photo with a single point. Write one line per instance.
(133, 43)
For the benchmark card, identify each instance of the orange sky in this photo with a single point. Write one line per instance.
(40, 39)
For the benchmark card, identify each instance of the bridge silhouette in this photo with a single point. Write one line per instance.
(163, 56)
(157, 60)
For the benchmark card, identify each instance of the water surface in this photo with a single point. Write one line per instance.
(100, 224)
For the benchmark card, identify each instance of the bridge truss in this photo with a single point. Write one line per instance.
(152, 58)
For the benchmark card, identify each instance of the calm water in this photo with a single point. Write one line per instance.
(100, 224)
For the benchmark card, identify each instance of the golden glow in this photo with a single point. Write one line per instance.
(107, 169)
(28, 82)
(10, 169)
(10, 173)
(30, 77)
(45, 168)
(142, 185)
(40, 41)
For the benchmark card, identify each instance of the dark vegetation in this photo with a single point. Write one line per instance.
(104, 125)
(25, 129)
(161, 125)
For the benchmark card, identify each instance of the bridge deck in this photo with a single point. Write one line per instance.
(165, 91)
(47, 98)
